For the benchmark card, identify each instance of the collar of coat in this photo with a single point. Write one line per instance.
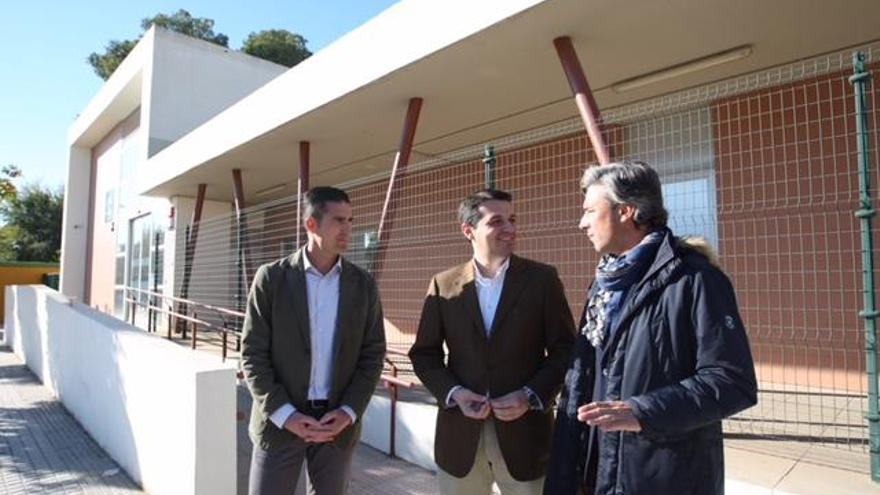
(669, 258)
(671, 249)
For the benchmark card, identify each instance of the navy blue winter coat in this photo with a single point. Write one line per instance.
(681, 358)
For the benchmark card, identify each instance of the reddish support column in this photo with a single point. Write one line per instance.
(583, 96)
(240, 227)
(190, 249)
(401, 160)
(302, 186)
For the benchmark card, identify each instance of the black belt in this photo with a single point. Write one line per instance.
(317, 404)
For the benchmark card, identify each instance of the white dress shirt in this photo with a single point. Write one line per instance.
(489, 292)
(489, 295)
(322, 294)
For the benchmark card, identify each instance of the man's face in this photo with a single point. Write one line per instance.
(333, 232)
(602, 221)
(495, 234)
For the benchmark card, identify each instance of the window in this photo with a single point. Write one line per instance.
(110, 206)
(680, 147)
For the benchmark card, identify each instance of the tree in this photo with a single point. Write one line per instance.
(182, 22)
(114, 53)
(277, 45)
(33, 224)
(7, 187)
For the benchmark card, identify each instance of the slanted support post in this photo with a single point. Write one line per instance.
(190, 250)
(302, 187)
(583, 96)
(401, 160)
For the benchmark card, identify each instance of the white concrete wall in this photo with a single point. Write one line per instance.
(165, 413)
(74, 236)
(188, 81)
(415, 430)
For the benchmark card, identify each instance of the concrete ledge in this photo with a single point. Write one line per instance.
(415, 430)
(164, 413)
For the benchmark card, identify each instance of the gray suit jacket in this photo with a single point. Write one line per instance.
(276, 346)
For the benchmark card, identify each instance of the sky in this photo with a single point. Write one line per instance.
(45, 80)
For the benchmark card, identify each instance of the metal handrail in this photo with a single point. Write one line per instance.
(193, 320)
(190, 302)
(391, 382)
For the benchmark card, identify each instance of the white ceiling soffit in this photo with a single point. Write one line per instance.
(483, 72)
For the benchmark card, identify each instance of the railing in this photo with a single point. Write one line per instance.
(393, 384)
(154, 306)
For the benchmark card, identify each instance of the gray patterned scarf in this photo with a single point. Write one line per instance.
(614, 276)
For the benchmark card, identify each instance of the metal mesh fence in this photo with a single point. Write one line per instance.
(764, 166)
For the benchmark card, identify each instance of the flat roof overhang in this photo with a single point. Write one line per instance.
(483, 73)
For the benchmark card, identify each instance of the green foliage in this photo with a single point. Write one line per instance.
(7, 187)
(115, 52)
(182, 22)
(8, 235)
(277, 45)
(33, 225)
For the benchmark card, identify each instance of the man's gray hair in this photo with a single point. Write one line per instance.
(634, 183)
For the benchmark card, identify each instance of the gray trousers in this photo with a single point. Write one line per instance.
(276, 472)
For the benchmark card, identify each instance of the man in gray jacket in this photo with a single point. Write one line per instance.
(313, 346)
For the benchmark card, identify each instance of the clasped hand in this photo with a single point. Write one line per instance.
(506, 408)
(318, 430)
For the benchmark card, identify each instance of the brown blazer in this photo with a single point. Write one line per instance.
(530, 343)
(276, 346)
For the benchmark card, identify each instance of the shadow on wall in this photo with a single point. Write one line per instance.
(41, 441)
(97, 391)
(164, 413)
(69, 342)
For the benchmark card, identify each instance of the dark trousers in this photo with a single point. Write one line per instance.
(276, 472)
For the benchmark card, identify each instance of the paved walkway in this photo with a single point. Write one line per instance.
(42, 447)
(44, 450)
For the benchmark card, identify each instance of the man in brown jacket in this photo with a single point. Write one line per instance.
(508, 331)
(312, 351)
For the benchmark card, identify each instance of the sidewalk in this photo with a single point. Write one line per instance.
(42, 447)
(44, 450)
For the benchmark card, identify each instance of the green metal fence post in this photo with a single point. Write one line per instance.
(489, 161)
(859, 80)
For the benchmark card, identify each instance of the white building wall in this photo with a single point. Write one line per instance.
(74, 228)
(189, 81)
(178, 83)
(165, 413)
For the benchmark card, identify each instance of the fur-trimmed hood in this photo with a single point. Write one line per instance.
(701, 246)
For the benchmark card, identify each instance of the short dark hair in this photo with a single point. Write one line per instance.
(314, 203)
(469, 208)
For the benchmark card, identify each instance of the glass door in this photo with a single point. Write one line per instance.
(146, 251)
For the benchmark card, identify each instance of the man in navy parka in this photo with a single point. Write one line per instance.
(662, 356)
